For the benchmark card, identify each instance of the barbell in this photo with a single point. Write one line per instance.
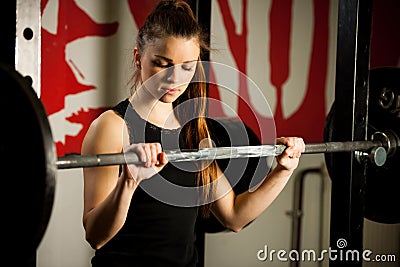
(378, 152)
(28, 150)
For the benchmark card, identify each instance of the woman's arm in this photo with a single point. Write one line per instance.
(107, 195)
(235, 212)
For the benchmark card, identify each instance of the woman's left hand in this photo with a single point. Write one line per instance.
(289, 159)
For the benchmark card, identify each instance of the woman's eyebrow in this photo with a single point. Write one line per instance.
(171, 61)
(164, 58)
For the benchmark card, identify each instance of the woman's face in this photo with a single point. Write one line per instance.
(167, 66)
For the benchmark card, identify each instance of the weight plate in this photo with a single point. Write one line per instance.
(382, 183)
(28, 153)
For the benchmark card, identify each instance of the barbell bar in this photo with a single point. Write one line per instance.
(377, 154)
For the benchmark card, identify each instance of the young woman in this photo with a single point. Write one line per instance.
(124, 221)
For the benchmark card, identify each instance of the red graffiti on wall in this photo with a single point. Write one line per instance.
(309, 119)
(73, 23)
(385, 40)
(58, 79)
(140, 9)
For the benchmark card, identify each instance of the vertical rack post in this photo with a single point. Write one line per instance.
(351, 120)
(28, 41)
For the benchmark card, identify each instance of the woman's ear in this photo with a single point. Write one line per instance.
(136, 56)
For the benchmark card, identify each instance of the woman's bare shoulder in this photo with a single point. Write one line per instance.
(106, 119)
(105, 134)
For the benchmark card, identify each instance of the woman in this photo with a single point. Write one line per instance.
(124, 222)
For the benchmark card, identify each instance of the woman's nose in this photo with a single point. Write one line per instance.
(173, 74)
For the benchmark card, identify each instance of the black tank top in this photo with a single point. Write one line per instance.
(155, 233)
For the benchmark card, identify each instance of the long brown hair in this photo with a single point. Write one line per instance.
(175, 18)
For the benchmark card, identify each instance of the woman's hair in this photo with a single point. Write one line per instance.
(172, 18)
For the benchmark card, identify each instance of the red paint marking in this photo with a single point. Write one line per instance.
(141, 9)
(385, 38)
(76, 68)
(308, 121)
(58, 80)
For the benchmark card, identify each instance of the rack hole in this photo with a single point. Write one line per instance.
(28, 33)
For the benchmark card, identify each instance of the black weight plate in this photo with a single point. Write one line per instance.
(382, 183)
(29, 166)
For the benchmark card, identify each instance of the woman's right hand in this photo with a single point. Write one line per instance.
(152, 157)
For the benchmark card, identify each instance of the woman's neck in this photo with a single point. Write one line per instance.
(153, 110)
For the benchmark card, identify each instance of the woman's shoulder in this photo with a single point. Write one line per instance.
(108, 119)
(111, 116)
(104, 133)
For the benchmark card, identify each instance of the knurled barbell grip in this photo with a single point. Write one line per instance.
(330, 147)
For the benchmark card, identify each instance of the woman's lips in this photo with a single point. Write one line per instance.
(170, 91)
